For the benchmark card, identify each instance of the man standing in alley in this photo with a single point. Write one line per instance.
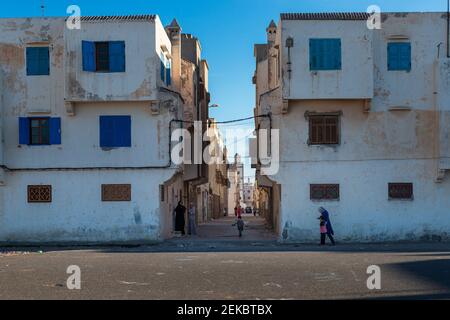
(192, 226)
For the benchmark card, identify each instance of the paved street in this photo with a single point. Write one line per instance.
(217, 264)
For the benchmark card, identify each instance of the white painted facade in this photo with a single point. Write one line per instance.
(78, 166)
(394, 127)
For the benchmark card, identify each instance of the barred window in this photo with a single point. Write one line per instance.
(402, 191)
(39, 193)
(324, 192)
(116, 192)
(324, 129)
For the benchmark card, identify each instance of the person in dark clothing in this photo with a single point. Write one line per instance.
(326, 217)
(323, 230)
(179, 217)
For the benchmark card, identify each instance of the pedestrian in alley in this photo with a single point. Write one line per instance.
(235, 211)
(180, 210)
(192, 226)
(326, 216)
(240, 225)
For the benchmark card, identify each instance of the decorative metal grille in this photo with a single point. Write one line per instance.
(324, 129)
(324, 192)
(116, 192)
(40, 193)
(400, 191)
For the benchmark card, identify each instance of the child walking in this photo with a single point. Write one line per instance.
(240, 225)
(323, 230)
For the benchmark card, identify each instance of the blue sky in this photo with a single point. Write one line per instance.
(227, 29)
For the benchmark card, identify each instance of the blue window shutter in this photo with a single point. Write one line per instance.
(38, 61)
(168, 77)
(117, 56)
(399, 56)
(163, 70)
(325, 54)
(123, 131)
(24, 130)
(115, 131)
(44, 61)
(55, 130)
(106, 132)
(88, 51)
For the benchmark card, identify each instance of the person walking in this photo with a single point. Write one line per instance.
(179, 218)
(192, 226)
(235, 211)
(240, 225)
(326, 216)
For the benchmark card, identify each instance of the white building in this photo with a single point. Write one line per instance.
(248, 193)
(85, 123)
(364, 120)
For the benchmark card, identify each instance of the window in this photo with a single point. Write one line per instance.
(399, 56)
(165, 70)
(401, 191)
(324, 54)
(115, 131)
(324, 192)
(116, 192)
(39, 193)
(324, 129)
(39, 130)
(103, 56)
(38, 61)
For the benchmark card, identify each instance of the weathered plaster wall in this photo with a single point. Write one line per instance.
(376, 148)
(355, 78)
(77, 213)
(34, 93)
(143, 40)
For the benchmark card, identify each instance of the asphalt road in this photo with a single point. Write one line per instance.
(228, 270)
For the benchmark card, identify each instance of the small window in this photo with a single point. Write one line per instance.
(399, 56)
(38, 61)
(39, 130)
(39, 193)
(324, 54)
(165, 70)
(116, 192)
(324, 129)
(115, 131)
(324, 192)
(103, 56)
(400, 191)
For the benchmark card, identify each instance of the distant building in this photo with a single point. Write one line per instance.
(236, 180)
(248, 193)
